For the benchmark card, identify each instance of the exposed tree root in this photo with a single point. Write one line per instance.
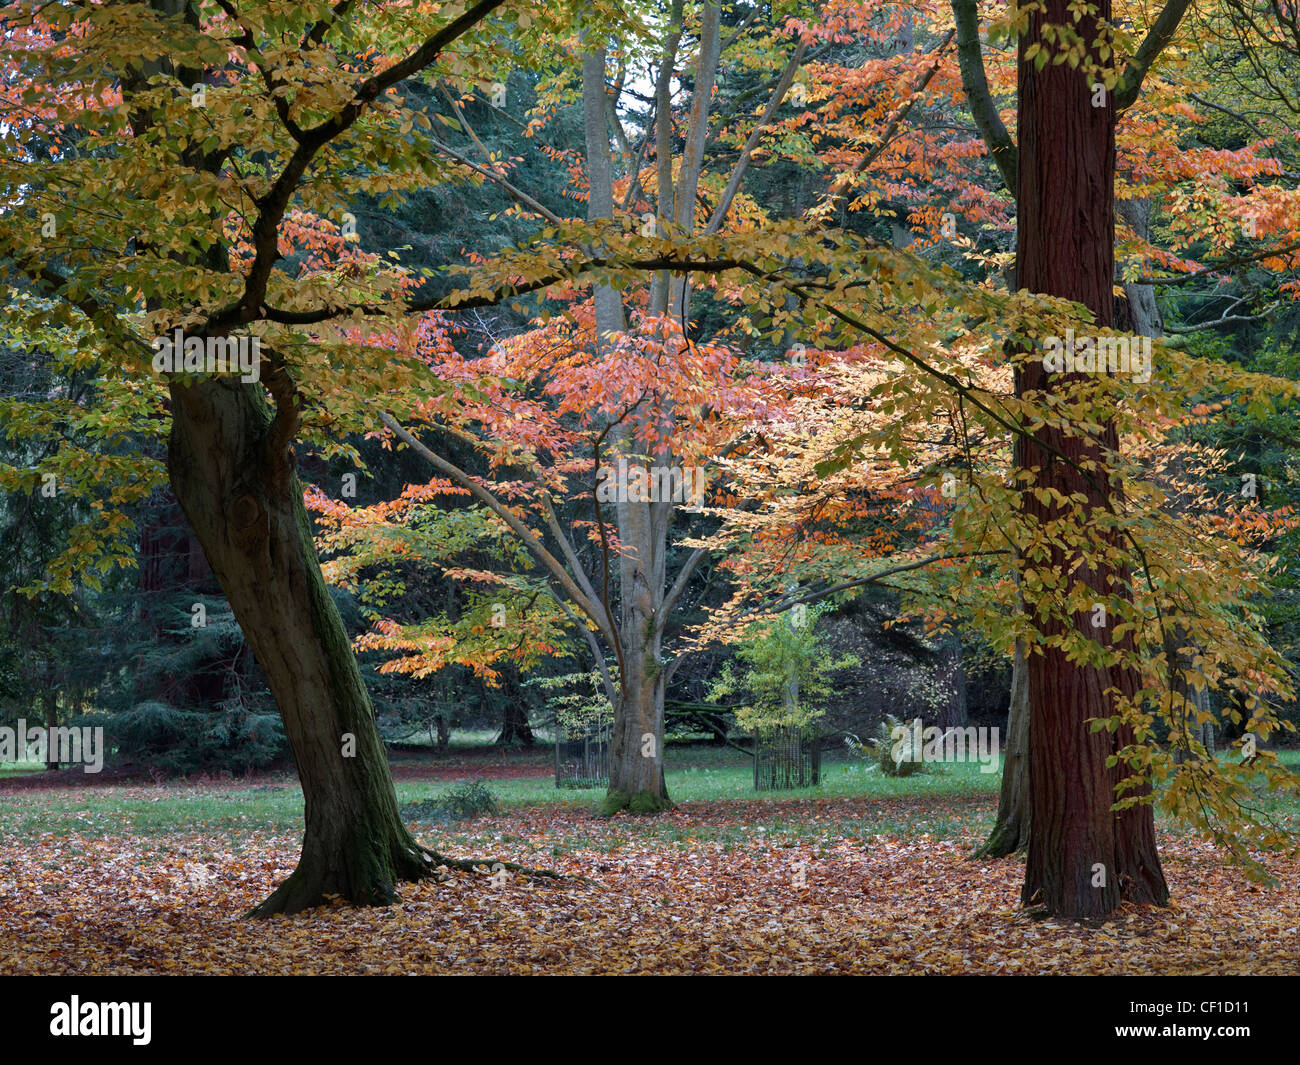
(301, 892)
(476, 865)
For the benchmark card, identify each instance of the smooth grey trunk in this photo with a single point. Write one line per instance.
(600, 202)
(637, 748)
(636, 765)
(692, 164)
(1198, 700)
(636, 775)
(1142, 313)
(664, 148)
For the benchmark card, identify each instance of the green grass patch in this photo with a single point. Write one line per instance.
(947, 801)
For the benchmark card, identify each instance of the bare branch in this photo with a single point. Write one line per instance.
(1227, 318)
(742, 164)
(516, 193)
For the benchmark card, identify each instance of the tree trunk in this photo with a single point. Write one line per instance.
(636, 764)
(1015, 814)
(1084, 858)
(515, 729)
(50, 701)
(636, 771)
(636, 775)
(442, 732)
(232, 470)
(1139, 313)
(235, 479)
(1196, 700)
(952, 674)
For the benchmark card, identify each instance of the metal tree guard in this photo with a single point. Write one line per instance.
(789, 757)
(582, 761)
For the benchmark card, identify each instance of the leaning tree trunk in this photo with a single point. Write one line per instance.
(235, 479)
(1015, 814)
(515, 729)
(1084, 858)
(232, 470)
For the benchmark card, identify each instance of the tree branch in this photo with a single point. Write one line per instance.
(1156, 41)
(272, 206)
(742, 164)
(534, 546)
(782, 605)
(1222, 264)
(515, 193)
(841, 185)
(974, 82)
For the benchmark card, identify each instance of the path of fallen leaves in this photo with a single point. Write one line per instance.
(172, 904)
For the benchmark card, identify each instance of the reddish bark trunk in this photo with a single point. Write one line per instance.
(1083, 859)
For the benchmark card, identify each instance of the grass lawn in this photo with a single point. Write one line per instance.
(696, 775)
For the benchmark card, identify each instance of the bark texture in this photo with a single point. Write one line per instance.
(234, 477)
(1084, 859)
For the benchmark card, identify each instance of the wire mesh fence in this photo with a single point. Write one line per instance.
(787, 758)
(582, 760)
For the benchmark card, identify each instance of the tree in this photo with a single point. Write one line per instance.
(549, 479)
(152, 104)
(787, 675)
(188, 168)
(631, 594)
(1083, 857)
(1064, 216)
